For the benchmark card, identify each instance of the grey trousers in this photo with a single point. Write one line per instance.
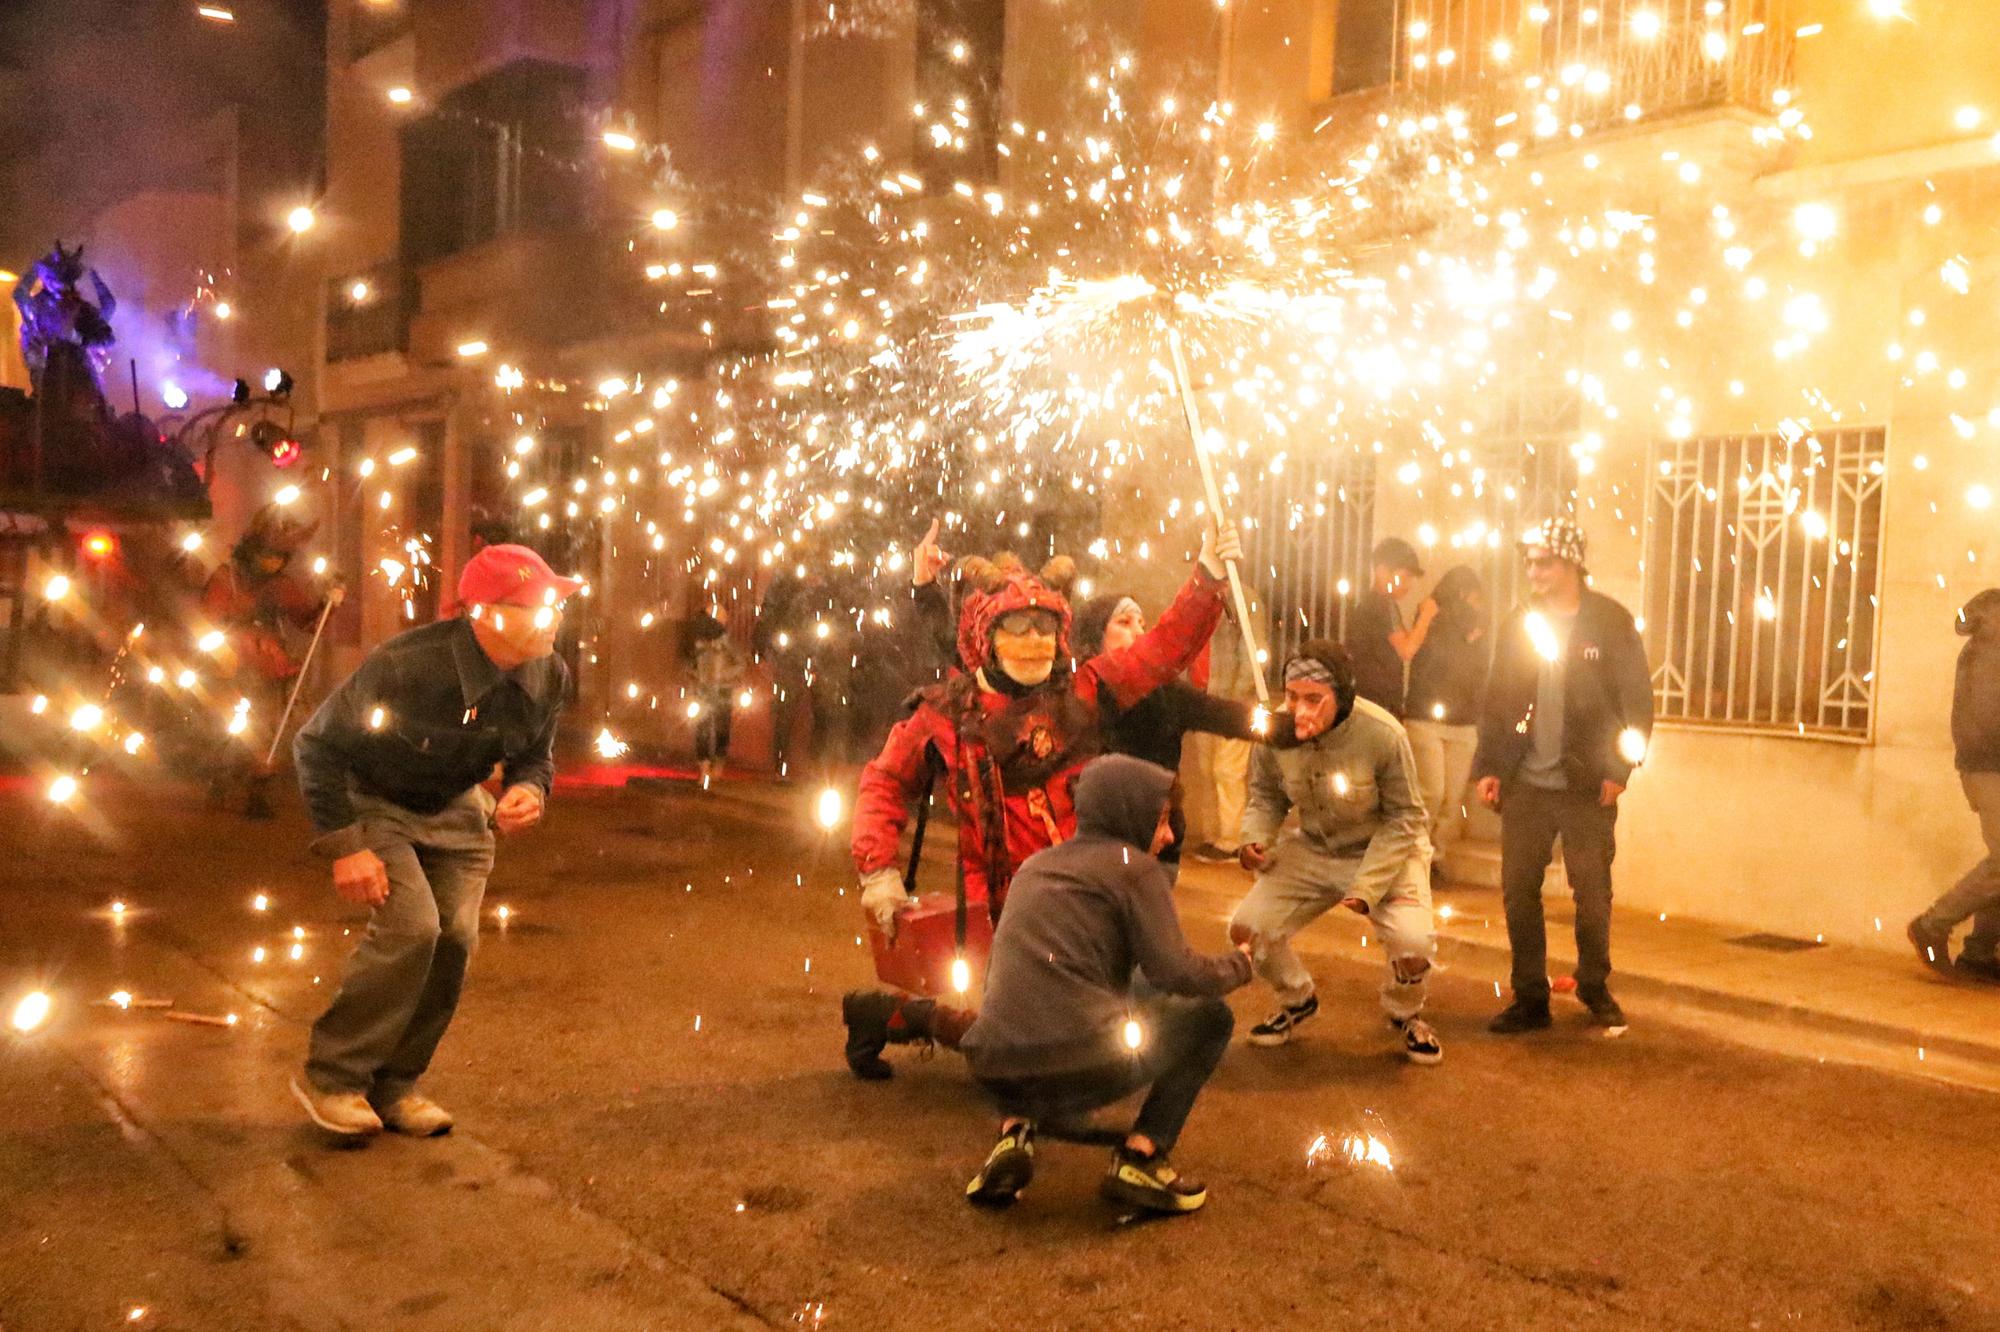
(1530, 821)
(1977, 894)
(402, 985)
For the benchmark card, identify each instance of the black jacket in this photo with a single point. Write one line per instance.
(1449, 671)
(1607, 689)
(1975, 706)
(1152, 729)
(1080, 916)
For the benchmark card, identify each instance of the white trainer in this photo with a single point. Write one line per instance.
(347, 1114)
(418, 1117)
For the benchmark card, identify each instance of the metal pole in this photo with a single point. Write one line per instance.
(1193, 415)
(334, 597)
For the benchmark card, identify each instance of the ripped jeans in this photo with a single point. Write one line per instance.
(1302, 884)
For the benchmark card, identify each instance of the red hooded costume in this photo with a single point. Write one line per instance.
(1010, 754)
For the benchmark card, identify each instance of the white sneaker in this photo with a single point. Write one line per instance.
(417, 1116)
(345, 1113)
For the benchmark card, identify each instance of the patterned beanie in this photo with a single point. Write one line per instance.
(1562, 537)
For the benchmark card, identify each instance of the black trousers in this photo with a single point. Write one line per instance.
(1530, 821)
(1182, 1042)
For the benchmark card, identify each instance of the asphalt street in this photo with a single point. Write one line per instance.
(656, 1129)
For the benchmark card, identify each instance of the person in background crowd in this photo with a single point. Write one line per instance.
(783, 642)
(1060, 1035)
(259, 598)
(1004, 737)
(1378, 642)
(1446, 678)
(1567, 717)
(391, 767)
(1360, 844)
(1975, 738)
(1153, 728)
(1218, 776)
(718, 670)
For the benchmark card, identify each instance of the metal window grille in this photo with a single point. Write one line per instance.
(1761, 581)
(1661, 56)
(1308, 552)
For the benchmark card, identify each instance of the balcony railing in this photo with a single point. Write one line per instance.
(1599, 62)
(368, 313)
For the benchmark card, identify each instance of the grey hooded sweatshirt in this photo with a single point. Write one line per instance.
(1080, 916)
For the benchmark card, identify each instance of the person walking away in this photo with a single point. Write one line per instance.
(1975, 737)
(1060, 1034)
(1567, 717)
(1446, 677)
(1360, 844)
(1378, 642)
(391, 766)
(718, 670)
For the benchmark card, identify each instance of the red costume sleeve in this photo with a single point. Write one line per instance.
(1163, 651)
(891, 783)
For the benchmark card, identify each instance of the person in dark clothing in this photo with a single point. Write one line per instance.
(1567, 717)
(1377, 641)
(1975, 738)
(1152, 729)
(391, 767)
(1446, 678)
(1059, 1034)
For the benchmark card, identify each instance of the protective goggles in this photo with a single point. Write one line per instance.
(1029, 622)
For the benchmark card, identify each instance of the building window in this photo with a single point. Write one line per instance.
(960, 48)
(495, 158)
(1307, 553)
(1762, 573)
(1364, 45)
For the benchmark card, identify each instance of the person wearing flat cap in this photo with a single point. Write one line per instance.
(392, 766)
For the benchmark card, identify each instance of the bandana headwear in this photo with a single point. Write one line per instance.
(1125, 606)
(1310, 670)
(1561, 537)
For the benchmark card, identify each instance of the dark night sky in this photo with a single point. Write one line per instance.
(99, 98)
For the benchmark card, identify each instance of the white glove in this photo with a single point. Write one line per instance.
(882, 896)
(1219, 548)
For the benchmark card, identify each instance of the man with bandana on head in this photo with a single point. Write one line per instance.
(1006, 736)
(1362, 843)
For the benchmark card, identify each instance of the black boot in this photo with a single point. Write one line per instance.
(876, 1019)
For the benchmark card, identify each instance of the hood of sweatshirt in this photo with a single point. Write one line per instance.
(1120, 796)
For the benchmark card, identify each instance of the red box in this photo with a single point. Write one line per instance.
(920, 959)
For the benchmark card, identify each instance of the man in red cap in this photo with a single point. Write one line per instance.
(391, 767)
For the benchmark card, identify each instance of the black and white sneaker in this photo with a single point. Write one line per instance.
(1009, 1167)
(1420, 1041)
(1277, 1028)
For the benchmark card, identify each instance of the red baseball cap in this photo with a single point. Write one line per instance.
(512, 575)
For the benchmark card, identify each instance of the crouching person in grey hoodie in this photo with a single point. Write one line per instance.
(1060, 1035)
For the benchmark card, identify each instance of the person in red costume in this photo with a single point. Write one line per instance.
(1007, 734)
(256, 599)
